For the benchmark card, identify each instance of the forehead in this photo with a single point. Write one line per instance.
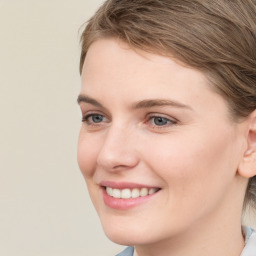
(117, 74)
(113, 47)
(114, 59)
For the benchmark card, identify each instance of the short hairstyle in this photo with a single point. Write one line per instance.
(217, 37)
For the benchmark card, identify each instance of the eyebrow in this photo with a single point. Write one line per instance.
(159, 103)
(86, 99)
(137, 105)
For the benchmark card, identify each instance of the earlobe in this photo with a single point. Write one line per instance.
(247, 167)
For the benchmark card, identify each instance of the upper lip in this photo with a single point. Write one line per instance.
(123, 185)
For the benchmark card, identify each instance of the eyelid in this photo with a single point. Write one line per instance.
(89, 108)
(155, 114)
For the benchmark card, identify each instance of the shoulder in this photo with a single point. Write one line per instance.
(127, 252)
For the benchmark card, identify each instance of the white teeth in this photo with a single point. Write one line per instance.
(116, 193)
(135, 192)
(130, 193)
(109, 191)
(126, 193)
(144, 192)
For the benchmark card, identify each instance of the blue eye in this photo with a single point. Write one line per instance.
(157, 121)
(97, 118)
(160, 121)
(93, 119)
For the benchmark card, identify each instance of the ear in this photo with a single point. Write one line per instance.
(247, 167)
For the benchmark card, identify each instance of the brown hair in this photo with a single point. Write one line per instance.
(217, 37)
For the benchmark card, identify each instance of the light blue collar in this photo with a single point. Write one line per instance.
(250, 242)
(127, 252)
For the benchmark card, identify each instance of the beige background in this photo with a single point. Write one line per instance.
(44, 205)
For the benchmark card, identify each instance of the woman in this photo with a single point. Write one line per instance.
(168, 140)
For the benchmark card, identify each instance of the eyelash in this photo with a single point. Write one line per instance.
(149, 120)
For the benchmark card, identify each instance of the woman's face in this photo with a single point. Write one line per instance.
(155, 134)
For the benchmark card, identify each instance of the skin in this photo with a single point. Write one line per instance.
(193, 156)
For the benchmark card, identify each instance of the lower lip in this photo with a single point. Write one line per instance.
(124, 204)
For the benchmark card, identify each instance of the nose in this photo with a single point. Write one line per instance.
(118, 150)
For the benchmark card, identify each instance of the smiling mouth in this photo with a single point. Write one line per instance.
(128, 193)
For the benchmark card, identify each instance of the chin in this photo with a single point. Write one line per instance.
(121, 239)
(132, 235)
(124, 235)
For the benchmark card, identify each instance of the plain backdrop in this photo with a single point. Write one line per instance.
(44, 204)
(45, 209)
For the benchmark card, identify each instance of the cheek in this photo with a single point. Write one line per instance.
(86, 154)
(195, 161)
(196, 172)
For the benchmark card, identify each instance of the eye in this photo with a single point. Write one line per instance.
(97, 118)
(94, 119)
(160, 121)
